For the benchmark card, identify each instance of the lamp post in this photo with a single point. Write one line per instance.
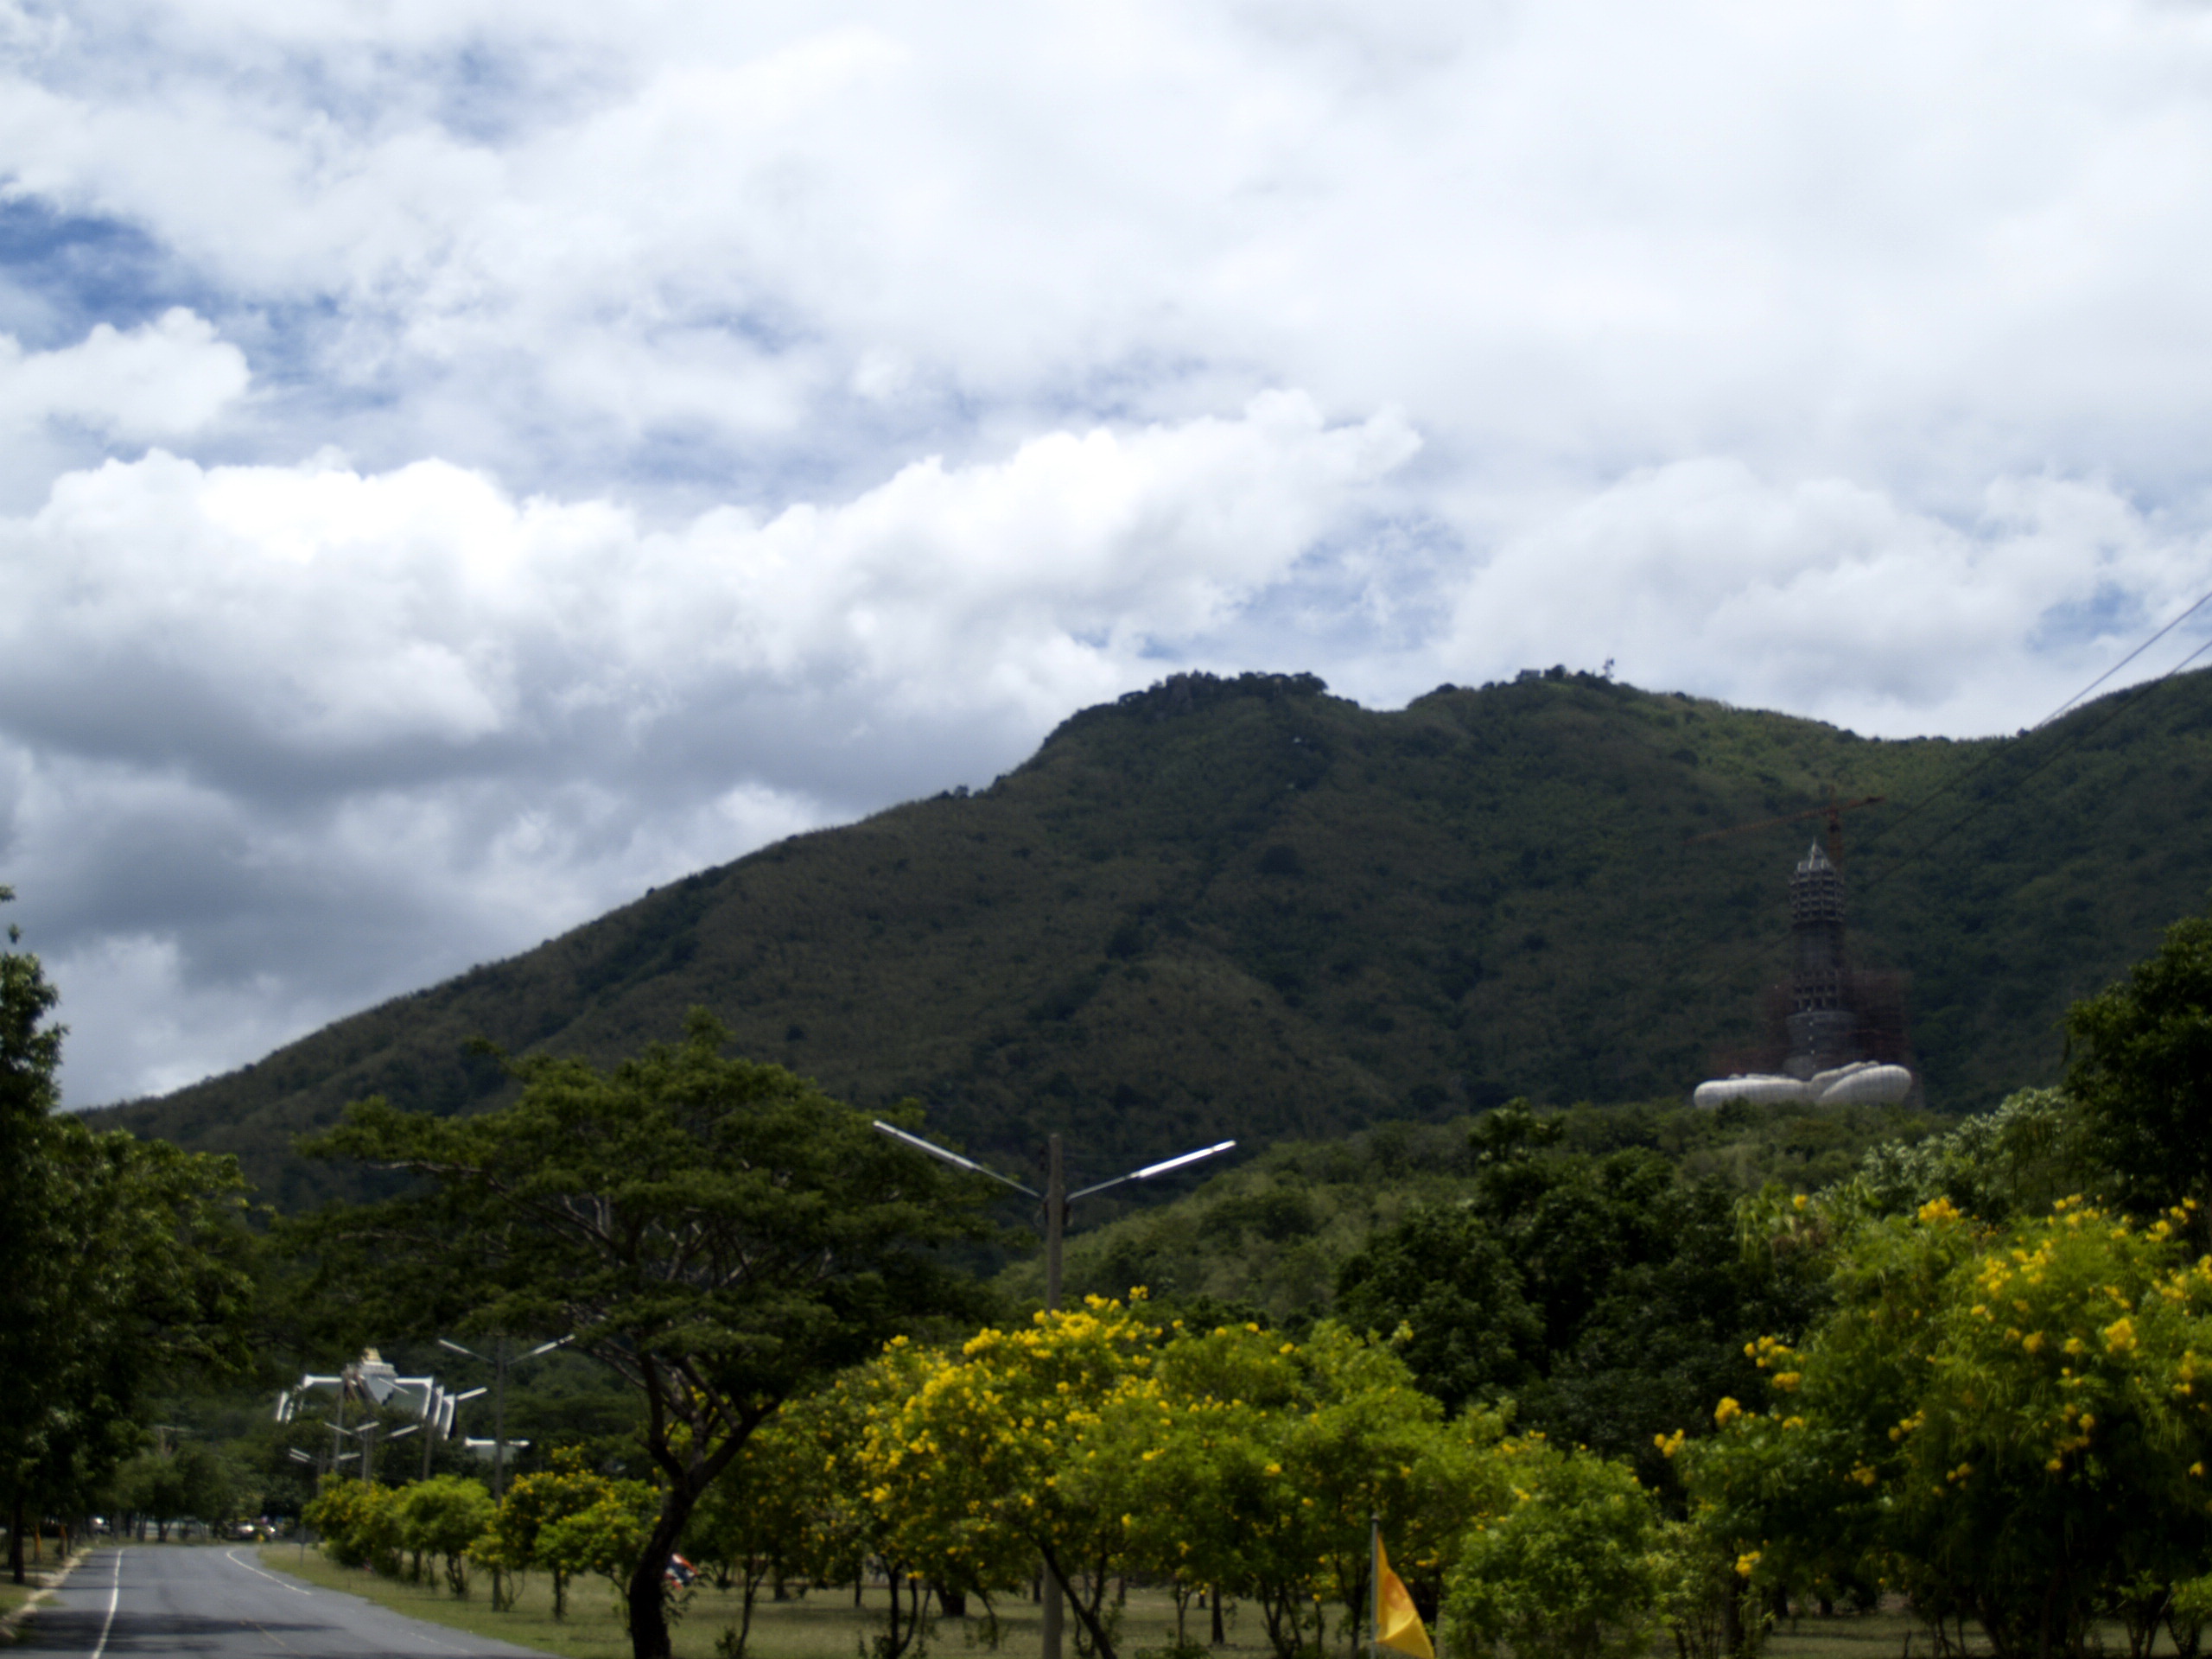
(1056, 1198)
(498, 1363)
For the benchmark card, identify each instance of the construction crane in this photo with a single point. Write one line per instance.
(1833, 812)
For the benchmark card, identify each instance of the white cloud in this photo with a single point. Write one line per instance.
(1829, 596)
(166, 379)
(447, 722)
(595, 438)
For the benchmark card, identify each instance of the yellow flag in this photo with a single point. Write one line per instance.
(1396, 1625)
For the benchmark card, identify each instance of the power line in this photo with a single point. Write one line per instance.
(2068, 741)
(2077, 736)
(2129, 658)
(1874, 836)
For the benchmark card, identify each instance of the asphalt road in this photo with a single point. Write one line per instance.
(222, 1604)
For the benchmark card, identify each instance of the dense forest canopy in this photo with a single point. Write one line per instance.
(1247, 907)
(1618, 1373)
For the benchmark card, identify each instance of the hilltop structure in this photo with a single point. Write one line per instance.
(1834, 1018)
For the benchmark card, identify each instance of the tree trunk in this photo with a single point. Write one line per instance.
(1102, 1642)
(1220, 1636)
(15, 1540)
(647, 1591)
(745, 1620)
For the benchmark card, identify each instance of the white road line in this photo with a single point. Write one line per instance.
(233, 1555)
(114, 1596)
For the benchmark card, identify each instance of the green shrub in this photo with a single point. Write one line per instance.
(1579, 1567)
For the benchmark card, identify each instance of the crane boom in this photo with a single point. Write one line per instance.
(1833, 812)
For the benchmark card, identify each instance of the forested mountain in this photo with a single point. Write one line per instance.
(1249, 907)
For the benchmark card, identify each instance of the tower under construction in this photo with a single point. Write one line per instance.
(1839, 1036)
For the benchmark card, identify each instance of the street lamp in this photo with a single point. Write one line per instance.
(1056, 1198)
(498, 1363)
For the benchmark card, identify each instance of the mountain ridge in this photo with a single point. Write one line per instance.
(1246, 907)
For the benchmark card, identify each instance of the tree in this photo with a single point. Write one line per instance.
(359, 1522)
(1444, 1275)
(1575, 1565)
(444, 1516)
(1230, 1458)
(2140, 1066)
(2015, 1162)
(126, 1259)
(2012, 1426)
(720, 1234)
(760, 1520)
(1259, 1463)
(192, 1481)
(510, 1543)
(1606, 1293)
(972, 1460)
(606, 1537)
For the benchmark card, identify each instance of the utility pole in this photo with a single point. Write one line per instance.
(430, 1401)
(500, 1418)
(1057, 1198)
(1056, 1210)
(499, 1363)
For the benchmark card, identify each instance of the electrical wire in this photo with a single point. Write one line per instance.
(1997, 751)
(2075, 737)
(2131, 657)
(2071, 738)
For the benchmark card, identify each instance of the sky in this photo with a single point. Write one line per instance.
(464, 463)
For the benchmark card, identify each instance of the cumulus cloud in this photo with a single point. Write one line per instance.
(1830, 596)
(166, 379)
(417, 712)
(465, 463)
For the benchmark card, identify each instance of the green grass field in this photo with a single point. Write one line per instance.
(823, 1625)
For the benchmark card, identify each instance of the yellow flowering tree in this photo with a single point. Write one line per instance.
(2009, 1424)
(1105, 1446)
(1255, 1463)
(864, 1506)
(998, 1456)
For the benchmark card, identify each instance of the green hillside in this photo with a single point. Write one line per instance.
(1247, 907)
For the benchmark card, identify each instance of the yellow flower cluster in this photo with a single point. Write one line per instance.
(1768, 1351)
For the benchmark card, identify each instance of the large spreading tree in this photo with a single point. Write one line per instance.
(721, 1234)
(126, 1260)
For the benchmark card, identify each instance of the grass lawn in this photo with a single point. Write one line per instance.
(822, 1625)
(1846, 1636)
(1881, 1635)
